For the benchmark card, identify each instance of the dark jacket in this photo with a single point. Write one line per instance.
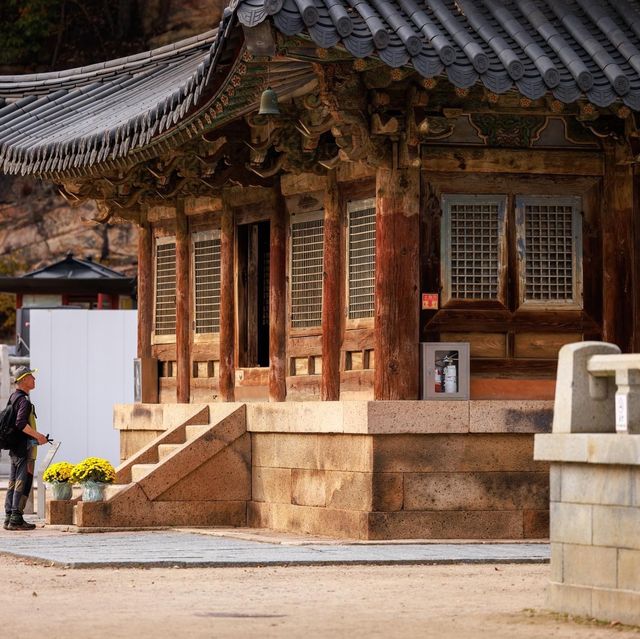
(23, 407)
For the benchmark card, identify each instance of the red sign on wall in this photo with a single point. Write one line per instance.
(429, 301)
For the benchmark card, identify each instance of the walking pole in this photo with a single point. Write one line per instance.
(40, 483)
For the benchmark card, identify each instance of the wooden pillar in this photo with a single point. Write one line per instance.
(635, 285)
(397, 284)
(145, 302)
(332, 291)
(277, 299)
(227, 304)
(618, 261)
(183, 346)
(145, 289)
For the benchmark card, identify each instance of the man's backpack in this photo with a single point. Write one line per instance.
(8, 432)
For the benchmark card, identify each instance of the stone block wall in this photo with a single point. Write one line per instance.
(594, 451)
(312, 483)
(383, 470)
(595, 525)
(405, 486)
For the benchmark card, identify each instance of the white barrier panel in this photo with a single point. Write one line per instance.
(85, 366)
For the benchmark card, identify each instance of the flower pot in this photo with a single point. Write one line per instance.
(93, 490)
(60, 490)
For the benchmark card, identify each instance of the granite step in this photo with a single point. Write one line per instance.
(195, 430)
(138, 471)
(164, 450)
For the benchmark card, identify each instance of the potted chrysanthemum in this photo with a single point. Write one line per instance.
(58, 476)
(93, 474)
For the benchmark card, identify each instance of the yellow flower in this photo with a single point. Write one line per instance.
(93, 469)
(58, 472)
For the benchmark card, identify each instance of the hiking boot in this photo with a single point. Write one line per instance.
(6, 522)
(16, 522)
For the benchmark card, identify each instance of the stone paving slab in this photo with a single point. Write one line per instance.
(191, 549)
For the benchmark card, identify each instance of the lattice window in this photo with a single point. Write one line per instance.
(362, 258)
(472, 249)
(165, 320)
(206, 276)
(549, 250)
(306, 271)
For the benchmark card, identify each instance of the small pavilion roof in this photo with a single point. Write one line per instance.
(70, 276)
(73, 268)
(66, 122)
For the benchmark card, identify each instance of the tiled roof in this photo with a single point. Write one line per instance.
(70, 121)
(74, 268)
(53, 122)
(571, 48)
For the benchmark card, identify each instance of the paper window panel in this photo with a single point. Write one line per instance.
(549, 271)
(362, 258)
(206, 257)
(165, 311)
(306, 273)
(474, 250)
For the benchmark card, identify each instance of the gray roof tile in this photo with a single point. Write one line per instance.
(577, 47)
(50, 122)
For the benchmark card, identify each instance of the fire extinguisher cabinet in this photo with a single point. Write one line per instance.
(444, 370)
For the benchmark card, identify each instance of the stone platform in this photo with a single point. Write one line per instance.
(378, 470)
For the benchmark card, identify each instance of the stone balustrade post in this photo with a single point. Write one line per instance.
(584, 403)
(594, 452)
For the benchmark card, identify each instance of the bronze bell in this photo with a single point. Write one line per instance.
(269, 103)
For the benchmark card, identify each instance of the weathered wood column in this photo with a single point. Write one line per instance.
(635, 341)
(332, 291)
(148, 365)
(618, 257)
(277, 299)
(397, 284)
(227, 304)
(145, 288)
(183, 346)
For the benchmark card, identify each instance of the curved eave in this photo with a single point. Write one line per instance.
(71, 122)
(573, 49)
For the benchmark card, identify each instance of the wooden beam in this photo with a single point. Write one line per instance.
(332, 291)
(227, 305)
(617, 248)
(529, 161)
(277, 299)
(397, 284)
(183, 346)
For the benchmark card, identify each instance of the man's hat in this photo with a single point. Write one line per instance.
(22, 371)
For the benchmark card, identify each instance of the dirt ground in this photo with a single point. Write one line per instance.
(492, 601)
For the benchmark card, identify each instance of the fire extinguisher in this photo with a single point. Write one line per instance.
(450, 374)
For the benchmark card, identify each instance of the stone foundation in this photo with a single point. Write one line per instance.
(445, 486)
(388, 470)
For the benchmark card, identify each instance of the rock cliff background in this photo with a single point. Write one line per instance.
(37, 226)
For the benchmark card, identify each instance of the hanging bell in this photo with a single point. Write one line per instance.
(269, 103)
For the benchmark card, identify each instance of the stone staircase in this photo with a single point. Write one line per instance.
(197, 473)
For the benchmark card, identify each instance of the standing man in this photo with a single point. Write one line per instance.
(23, 452)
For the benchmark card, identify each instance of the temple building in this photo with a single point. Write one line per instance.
(324, 190)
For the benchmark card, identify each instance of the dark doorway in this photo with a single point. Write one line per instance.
(253, 294)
